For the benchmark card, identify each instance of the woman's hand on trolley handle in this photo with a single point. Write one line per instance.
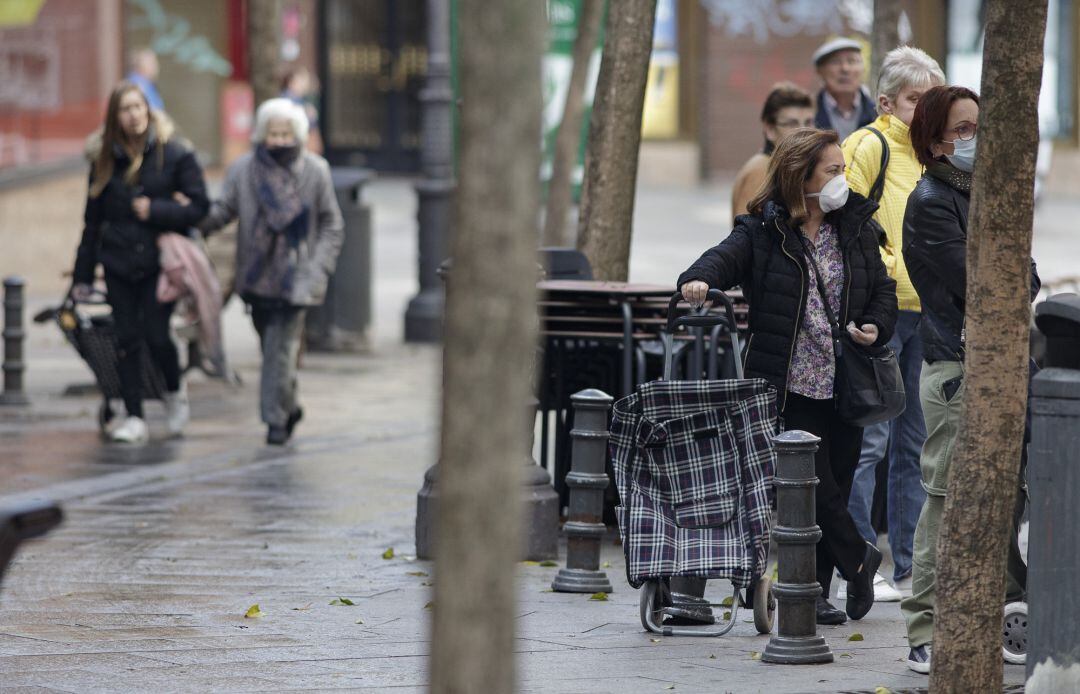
(81, 292)
(695, 292)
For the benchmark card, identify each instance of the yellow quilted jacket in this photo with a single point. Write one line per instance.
(862, 154)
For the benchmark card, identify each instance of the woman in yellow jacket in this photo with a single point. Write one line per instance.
(905, 74)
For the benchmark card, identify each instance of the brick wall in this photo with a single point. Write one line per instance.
(750, 47)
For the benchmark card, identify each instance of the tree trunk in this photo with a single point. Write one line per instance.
(886, 36)
(984, 473)
(560, 187)
(264, 47)
(489, 344)
(607, 197)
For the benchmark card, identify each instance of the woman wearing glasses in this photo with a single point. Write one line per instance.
(786, 108)
(943, 134)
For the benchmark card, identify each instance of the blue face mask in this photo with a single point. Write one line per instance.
(963, 156)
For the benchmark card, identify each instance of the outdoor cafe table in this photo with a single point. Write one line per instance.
(592, 334)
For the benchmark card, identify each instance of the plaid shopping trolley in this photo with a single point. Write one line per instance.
(94, 338)
(693, 462)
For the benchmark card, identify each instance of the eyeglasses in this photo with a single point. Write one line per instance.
(964, 131)
(808, 123)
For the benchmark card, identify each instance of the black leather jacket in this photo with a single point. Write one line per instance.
(935, 251)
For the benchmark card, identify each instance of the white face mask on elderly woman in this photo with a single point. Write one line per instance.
(833, 195)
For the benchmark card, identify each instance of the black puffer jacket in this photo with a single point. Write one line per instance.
(765, 255)
(935, 252)
(113, 236)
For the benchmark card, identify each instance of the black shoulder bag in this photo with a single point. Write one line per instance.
(868, 388)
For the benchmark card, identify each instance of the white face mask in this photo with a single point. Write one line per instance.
(833, 195)
(963, 156)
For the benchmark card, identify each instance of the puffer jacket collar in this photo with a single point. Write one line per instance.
(848, 220)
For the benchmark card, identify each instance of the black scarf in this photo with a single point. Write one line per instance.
(951, 176)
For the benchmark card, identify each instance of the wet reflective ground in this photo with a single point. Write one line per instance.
(165, 549)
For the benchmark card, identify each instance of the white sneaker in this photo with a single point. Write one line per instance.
(919, 659)
(132, 430)
(177, 411)
(883, 592)
(903, 586)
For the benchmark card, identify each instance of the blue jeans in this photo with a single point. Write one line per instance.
(902, 440)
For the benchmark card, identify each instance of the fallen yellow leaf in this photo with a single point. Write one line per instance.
(253, 612)
(389, 553)
(599, 597)
(855, 637)
(754, 655)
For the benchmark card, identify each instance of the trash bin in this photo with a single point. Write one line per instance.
(341, 324)
(1053, 585)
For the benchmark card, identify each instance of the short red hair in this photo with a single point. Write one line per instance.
(931, 117)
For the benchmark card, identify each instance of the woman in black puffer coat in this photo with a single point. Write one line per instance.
(134, 177)
(802, 222)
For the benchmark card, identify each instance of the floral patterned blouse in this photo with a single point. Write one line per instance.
(813, 366)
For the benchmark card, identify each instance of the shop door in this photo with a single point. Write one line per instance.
(372, 70)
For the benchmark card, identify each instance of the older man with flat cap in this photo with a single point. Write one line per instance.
(843, 104)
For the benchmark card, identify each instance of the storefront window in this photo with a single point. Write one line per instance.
(57, 62)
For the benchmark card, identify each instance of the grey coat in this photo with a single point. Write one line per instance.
(318, 252)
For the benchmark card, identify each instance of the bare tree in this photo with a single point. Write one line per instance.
(264, 47)
(982, 487)
(490, 314)
(560, 187)
(885, 36)
(611, 159)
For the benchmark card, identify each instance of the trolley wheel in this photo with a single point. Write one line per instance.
(651, 603)
(1014, 633)
(764, 605)
(105, 415)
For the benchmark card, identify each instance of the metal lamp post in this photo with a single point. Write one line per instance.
(424, 315)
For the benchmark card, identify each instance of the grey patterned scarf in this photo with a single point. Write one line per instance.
(281, 225)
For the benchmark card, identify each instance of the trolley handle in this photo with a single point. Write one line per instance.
(703, 320)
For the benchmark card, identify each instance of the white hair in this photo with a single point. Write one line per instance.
(907, 66)
(283, 109)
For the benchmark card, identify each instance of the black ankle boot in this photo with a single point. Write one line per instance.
(827, 614)
(861, 590)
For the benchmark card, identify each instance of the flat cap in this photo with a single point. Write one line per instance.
(829, 47)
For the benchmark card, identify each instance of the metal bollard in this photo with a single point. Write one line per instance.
(540, 503)
(539, 508)
(587, 481)
(13, 343)
(796, 533)
(1053, 576)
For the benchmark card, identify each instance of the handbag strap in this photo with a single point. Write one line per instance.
(834, 325)
(879, 184)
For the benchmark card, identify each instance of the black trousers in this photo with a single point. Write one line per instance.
(141, 322)
(840, 546)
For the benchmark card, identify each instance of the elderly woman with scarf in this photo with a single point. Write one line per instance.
(289, 236)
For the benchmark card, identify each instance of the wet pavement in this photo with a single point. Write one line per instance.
(166, 547)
